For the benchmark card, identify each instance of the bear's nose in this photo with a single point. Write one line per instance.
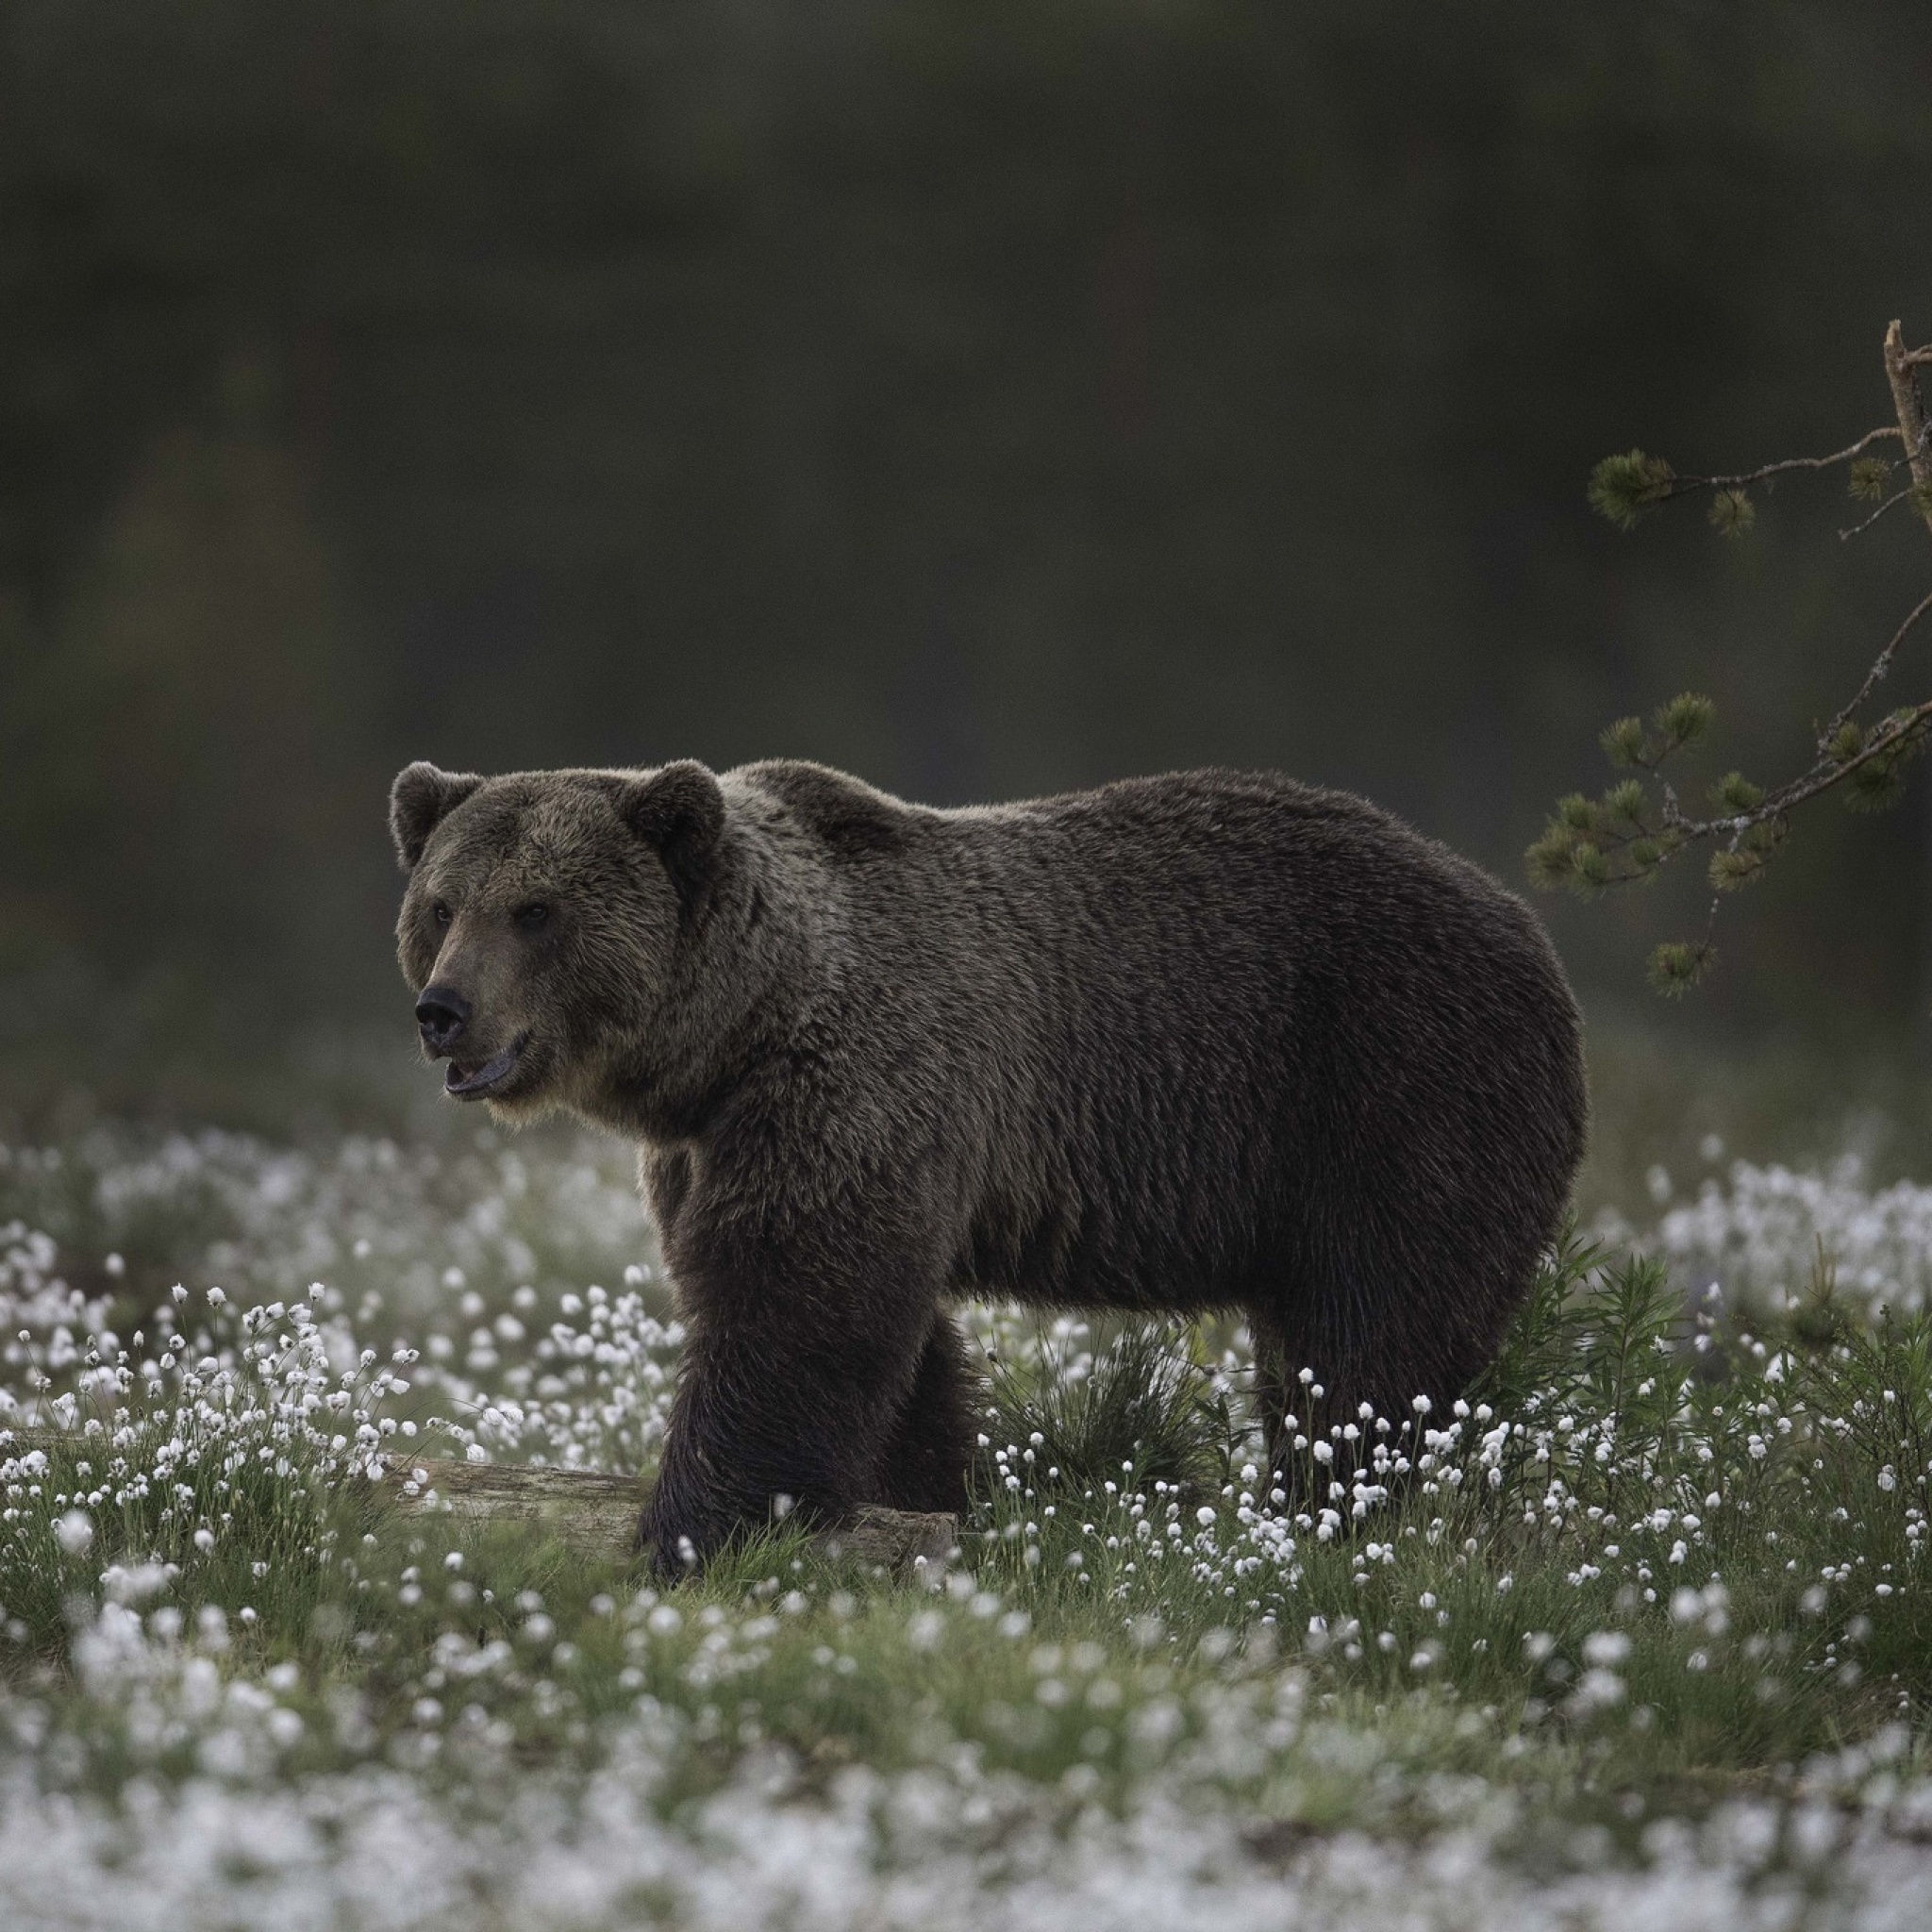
(443, 1013)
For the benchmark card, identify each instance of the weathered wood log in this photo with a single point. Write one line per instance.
(593, 1512)
(909, 1543)
(598, 1513)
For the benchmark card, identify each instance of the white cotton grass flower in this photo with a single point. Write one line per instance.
(135, 1584)
(161, 1426)
(1228, 1608)
(1759, 1230)
(1598, 1688)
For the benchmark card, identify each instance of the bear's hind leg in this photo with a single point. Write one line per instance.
(1348, 1372)
(1273, 1379)
(923, 1466)
(1359, 1361)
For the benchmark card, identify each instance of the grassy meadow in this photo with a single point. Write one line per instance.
(1644, 1626)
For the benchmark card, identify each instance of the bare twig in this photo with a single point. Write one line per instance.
(1778, 469)
(1880, 670)
(1858, 529)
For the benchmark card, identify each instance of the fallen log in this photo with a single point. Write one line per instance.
(598, 1513)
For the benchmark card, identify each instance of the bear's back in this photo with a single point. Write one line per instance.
(1124, 1011)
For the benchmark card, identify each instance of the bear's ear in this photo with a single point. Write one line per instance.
(418, 800)
(678, 811)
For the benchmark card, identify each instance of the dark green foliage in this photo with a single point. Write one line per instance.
(1564, 856)
(1677, 965)
(1626, 801)
(1870, 479)
(1621, 837)
(1878, 1380)
(1591, 869)
(1821, 1320)
(1552, 859)
(1672, 726)
(1730, 869)
(1735, 793)
(1874, 788)
(1144, 1402)
(1623, 488)
(1732, 512)
(1585, 848)
(1588, 1336)
(1685, 719)
(1878, 784)
(1537, 1345)
(1743, 860)
(1616, 838)
(1622, 741)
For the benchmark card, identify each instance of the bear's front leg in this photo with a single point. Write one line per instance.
(791, 1384)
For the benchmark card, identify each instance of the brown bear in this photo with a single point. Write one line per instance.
(1205, 1041)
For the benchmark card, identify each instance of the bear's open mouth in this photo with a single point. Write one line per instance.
(492, 1074)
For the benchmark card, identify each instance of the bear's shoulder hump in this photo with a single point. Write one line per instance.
(852, 818)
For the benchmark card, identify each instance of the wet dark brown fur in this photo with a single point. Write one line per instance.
(1204, 1042)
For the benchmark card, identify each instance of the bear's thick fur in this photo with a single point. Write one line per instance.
(1203, 1041)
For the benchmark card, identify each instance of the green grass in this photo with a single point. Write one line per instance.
(1665, 1558)
(1581, 1649)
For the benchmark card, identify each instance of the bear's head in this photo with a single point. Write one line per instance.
(542, 922)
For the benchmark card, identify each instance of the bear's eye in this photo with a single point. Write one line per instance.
(439, 912)
(532, 917)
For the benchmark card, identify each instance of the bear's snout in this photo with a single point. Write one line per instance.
(441, 1013)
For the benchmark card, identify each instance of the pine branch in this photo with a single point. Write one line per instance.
(1765, 471)
(1628, 837)
(1622, 488)
(1858, 529)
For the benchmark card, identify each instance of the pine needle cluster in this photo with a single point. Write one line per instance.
(1624, 835)
(1632, 830)
(1623, 488)
(1878, 782)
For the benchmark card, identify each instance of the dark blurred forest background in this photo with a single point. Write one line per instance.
(984, 397)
